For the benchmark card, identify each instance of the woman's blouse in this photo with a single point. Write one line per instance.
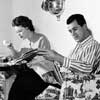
(39, 64)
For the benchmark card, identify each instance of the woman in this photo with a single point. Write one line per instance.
(28, 84)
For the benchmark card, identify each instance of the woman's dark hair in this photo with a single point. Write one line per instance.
(24, 22)
(78, 17)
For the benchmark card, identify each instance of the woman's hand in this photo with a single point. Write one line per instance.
(4, 64)
(7, 44)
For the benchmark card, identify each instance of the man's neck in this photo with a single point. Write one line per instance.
(86, 35)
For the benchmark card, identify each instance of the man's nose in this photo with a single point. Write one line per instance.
(19, 34)
(73, 32)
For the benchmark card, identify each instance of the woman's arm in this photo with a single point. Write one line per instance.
(44, 43)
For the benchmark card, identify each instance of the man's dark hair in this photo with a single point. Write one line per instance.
(78, 17)
(24, 22)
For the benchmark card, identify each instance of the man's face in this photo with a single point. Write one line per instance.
(77, 31)
(21, 31)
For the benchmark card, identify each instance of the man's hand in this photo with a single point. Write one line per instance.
(50, 55)
(47, 54)
(63, 69)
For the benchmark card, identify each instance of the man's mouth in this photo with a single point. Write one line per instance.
(75, 37)
(21, 36)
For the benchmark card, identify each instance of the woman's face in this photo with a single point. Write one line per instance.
(22, 31)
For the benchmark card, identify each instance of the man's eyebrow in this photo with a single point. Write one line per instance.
(74, 27)
(19, 31)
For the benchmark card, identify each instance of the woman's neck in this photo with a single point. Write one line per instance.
(33, 37)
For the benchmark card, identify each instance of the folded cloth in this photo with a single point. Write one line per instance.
(50, 77)
(50, 93)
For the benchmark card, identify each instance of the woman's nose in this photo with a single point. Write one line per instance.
(20, 35)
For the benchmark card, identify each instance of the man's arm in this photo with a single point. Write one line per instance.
(84, 62)
(77, 66)
(51, 55)
(84, 65)
(65, 62)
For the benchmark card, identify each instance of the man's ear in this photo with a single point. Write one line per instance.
(27, 28)
(85, 26)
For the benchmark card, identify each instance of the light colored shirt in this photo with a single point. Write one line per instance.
(39, 63)
(83, 56)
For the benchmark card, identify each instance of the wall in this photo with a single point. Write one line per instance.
(5, 21)
(5, 28)
(55, 30)
(46, 23)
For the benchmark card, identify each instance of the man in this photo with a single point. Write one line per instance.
(86, 51)
(83, 58)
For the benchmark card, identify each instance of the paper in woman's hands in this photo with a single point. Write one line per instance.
(28, 56)
(42, 52)
(24, 58)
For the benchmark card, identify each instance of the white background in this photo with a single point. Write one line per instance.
(45, 23)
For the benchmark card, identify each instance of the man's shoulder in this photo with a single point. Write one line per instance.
(93, 41)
